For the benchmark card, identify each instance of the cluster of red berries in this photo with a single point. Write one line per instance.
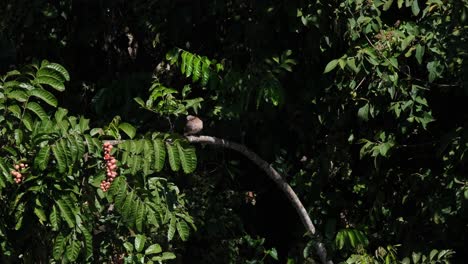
(111, 167)
(18, 177)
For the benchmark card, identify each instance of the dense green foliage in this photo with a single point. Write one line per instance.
(360, 104)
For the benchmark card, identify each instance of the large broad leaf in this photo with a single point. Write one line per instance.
(15, 110)
(54, 219)
(140, 216)
(60, 158)
(330, 66)
(45, 96)
(60, 114)
(66, 212)
(128, 129)
(54, 83)
(37, 109)
(189, 64)
(42, 158)
(27, 121)
(88, 242)
(5, 171)
(153, 249)
(39, 212)
(187, 156)
(18, 95)
(172, 228)
(196, 74)
(183, 229)
(205, 71)
(164, 256)
(73, 250)
(173, 156)
(50, 73)
(59, 247)
(159, 154)
(140, 242)
(59, 68)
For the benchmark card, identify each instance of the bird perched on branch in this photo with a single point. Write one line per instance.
(193, 126)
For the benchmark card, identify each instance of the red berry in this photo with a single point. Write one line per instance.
(22, 165)
(17, 167)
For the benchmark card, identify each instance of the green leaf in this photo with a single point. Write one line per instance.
(383, 148)
(42, 158)
(39, 212)
(189, 64)
(205, 71)
(54, 83)
(59, 68)
(18, 95)
(60, 114)
(159, 154)
(66, 212)
(27, 121)
(37, 109)
(183, 57)
(128, 129)
(88, 242)
(173, 156)
(387, 5)
(140, 215)
(60, 158)
(273, 253)
(183, 229)
(400, 3)
(73, 250)
(416, 257)
(340, 240)
(140, 242)
(140, 102)
(352, 238)
(165, 256)
(435, 70)
(53, 218)
(419, 53)
(352, 64)
(172, 228)
(18, 134)
(127, 208)
(187, 156)
(363, 112)
(415, 7)
(331, 65)
(59, 247)
(153, 249)
(15, 110)
(45, 96)
(196, 69)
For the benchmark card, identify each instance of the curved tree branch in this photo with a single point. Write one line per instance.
(280, 182)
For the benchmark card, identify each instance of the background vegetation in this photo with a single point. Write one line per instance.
(360, 104)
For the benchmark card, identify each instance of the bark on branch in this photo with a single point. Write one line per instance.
(280, 182)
